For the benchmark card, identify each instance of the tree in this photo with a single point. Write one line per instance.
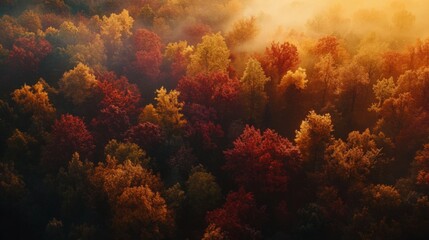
(253, 95)
(202, 190)
(111, 123)
(112, 178)
(119, 92)
(21, 149)
(382, 201)
(76, 191)
(35, 101)
(421, 162)
(393, 64)
(351, 162)
(146, 15)
(147, 135)
(145, 40)
(91, 54)
(420, 54)
(169, 109)
(68, 135)
(213, 232)
(78, 83)
(214, 89)
(126, 151)
(262, 162)
(211, 55)
(30, 20)
(147, 46)
(115, 29)
(195, 31)
(278, 59)
(380, 216)
(369, 57)
(149, 114)
(183, 160)
(141, 213)
(28, 52)
(404, 122)
(383, 89)
(69, 34)
(326, 74)
(242, 31)
(298, 79)
(11, 30)
(330, 45)
(118, 107)
(12, 186)
(238, 218)
(178, 54)
(396, 113)
(313, 136)
(352, 79)
(175, 196)
(201, 126)
(58, 6)
(415, 82)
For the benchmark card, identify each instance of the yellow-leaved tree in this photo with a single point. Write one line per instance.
(297, 79)
(35, 101)
(252, 92)
(313, 136)
(211, 55)
(149, 114)
(133, 193)
(169, 109)
(167, 113)
(115, 28)
(78, 83)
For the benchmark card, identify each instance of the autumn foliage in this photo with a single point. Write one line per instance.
(28, 52)
(69, 134)
(279, 58)
(147, 46)
(261, 162)
(239, 217)
(214, 120)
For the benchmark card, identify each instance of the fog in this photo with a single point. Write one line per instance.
(403, 21)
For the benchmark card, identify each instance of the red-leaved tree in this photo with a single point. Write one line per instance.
(262, 162)
(147, 46)
(194, 32)
(215, 90)
(147, 135)
(68, 135)
(278, 59)
(239, 217)
(202, 127)
(117, 108)
(28, 52)
(119, 92)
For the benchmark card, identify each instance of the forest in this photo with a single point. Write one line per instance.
(214, 120)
